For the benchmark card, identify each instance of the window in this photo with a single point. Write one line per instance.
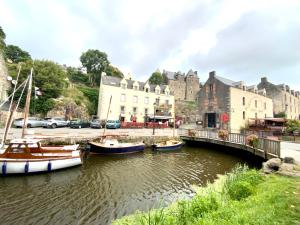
(134, 110)
(157, 91)
(157, 101)
(135, 87)
(123, 86)
(167, 93)
(244, 101)
(123, 97)
(147, 89)
(211, 88)
(244, 115)
(135, 99)
(167, 102)
(265, 104)
(122, 109)
(146, 100)
(255, 115)
(265, 115)
(255, 103)
(146, 111)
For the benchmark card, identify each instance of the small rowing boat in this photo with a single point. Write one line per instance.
(170, 145)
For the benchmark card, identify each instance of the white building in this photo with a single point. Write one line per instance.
(133, 99)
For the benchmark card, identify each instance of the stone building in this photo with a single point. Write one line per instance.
(4, 85)
(136, 99)
(227, 104)
(185, 87)
(285, 100)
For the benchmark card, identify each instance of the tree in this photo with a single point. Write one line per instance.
(280, 115)
(292, 125)
(16, 54)
(113, 71)
(48, 76)
(156, 78)
(2, 39)
(77, 76)
(95, 62)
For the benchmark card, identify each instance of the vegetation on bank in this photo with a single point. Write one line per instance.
(242, 197)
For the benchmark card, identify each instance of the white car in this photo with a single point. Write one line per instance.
(32, 122)
(55, 122)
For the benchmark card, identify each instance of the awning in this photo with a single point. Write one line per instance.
(160, 117)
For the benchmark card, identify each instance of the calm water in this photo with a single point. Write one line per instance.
(109, 187)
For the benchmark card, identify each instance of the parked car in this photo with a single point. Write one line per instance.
(55, 122)
(32, 122)
(113, 124)
(96, 124)
(78, 123)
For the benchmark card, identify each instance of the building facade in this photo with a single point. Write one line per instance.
(228, 105)
(134, 100)
(285, 100)
(185, 87)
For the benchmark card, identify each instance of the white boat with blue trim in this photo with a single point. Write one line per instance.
(24, 156)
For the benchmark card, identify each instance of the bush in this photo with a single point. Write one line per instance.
(240, 190)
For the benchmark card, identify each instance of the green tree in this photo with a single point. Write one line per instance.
(280, 115)
(95, 62)
(2, 39)
(293, 125)
(113, 71)
(48, 76)
(16, 54)
(156, 78)
(77, 76)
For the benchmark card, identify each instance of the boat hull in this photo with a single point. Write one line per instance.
(27, 166)
(100, 149)
(168, 147)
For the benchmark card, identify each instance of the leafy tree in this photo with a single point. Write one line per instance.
(48, 76)
(156, 78)
(113, 71)
(95, 62)
(77, 76)
(280, 115)
(293, 125)
(92, 94)
(16, 54)
(2, 39)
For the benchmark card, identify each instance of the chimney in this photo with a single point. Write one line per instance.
(212, 74)
(264, 80)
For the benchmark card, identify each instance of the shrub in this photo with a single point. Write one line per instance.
(252, 140)
(223, 134)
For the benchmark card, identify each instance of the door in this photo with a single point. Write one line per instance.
(211, 120)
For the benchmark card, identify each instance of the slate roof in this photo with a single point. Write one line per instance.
(225, 80)
(116, 81)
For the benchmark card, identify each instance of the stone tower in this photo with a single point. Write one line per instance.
(192, 86)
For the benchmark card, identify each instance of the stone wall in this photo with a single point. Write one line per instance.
(178, 88)
(192, 88)
(4, 85)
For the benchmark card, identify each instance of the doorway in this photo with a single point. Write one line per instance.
(211, 120)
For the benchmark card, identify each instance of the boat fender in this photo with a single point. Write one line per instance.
(26, 169)
(4, 168)
(49, 166)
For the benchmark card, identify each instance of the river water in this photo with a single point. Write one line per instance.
(109, 187)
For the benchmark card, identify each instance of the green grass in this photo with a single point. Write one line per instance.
(242, 197)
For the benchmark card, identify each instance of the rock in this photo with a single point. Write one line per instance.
(289, 160)
(274, 163)
(288, 169)
(266, 169)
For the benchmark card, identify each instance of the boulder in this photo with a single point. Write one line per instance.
(289, 160)
(271, 165)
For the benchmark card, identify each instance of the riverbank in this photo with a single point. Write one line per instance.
(241, 197)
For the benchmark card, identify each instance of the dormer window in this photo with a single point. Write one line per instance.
(167, 93)
(157, 91)
(147, 90)
(123, 86)
(135, 87)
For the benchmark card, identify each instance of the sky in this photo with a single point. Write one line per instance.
(239, 39)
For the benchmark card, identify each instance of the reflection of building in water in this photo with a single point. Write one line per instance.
(221, 99)
(134, 100)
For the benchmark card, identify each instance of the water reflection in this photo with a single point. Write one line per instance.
(108, 187)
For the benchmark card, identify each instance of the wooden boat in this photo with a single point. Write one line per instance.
(24, 156)
(170, 145)
(112, 146)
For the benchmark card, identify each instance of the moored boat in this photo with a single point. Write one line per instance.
(24, 156)
(170, 145)
(112, 146)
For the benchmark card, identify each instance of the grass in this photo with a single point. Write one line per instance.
(243, 196)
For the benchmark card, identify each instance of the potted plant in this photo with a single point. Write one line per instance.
(223, 134)
(252, 140)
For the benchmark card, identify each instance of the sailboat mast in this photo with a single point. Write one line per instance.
(174, 123)
(107, 115)
(27, 105)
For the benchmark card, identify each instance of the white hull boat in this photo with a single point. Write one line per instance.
(24, 156)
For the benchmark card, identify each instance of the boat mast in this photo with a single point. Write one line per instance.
(11, 111)
(174, 123)
(26, 110)
(107, 115)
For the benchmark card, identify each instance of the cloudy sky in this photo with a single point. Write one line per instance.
(239, 39)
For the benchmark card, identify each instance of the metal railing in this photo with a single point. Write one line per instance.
(268, 146)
